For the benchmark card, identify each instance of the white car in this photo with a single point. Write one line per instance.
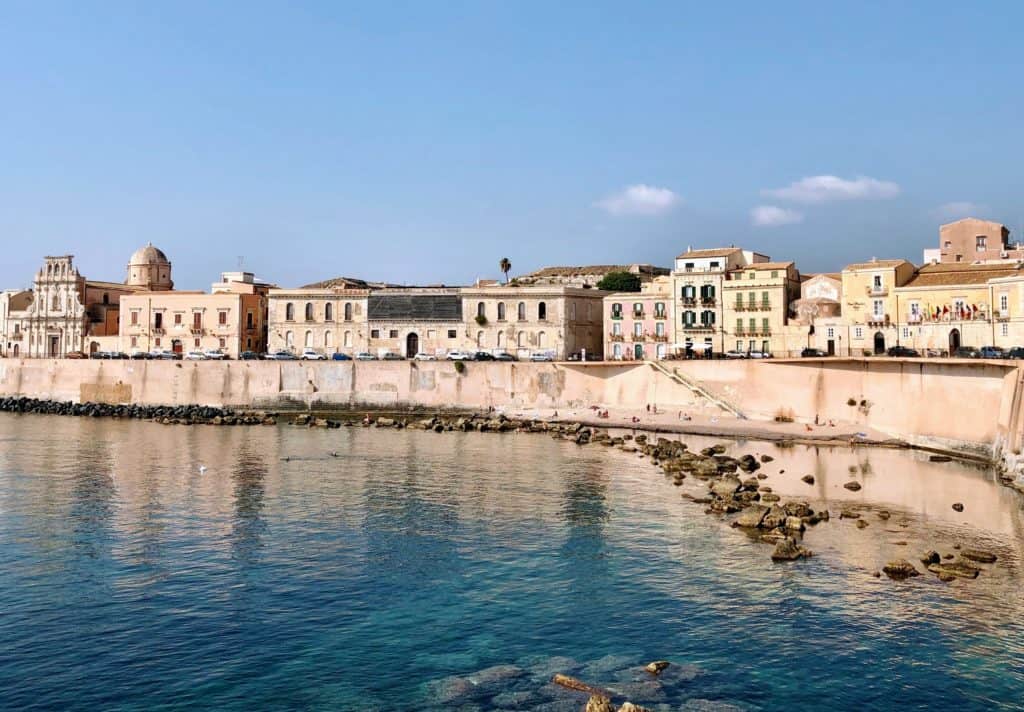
(195, 356)
(459, 356)
(280, 355)
(312, 355)
(735, 354)
(421, 356)
(542, 356)
(215, 355)
(759, 354)
(365, 356)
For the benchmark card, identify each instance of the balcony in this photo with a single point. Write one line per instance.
(615, 337)
(16, 336)
(660, 338)
(752, 306)
(689, 301)
(708, 301)
(159, 330)
(878, 322)
(638, 338)
(1001, 315)
(877, 291)
(660, 315)
(699, 328)
(196, 331)
(638, 315)
(616, 316)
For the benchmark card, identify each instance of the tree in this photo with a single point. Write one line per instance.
(506, 267)
(620, 282)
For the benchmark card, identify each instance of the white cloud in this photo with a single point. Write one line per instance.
(959, 209)
(823, 189)
(639, 200)
(773, 216)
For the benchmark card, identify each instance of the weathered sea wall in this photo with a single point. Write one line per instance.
(966, 406)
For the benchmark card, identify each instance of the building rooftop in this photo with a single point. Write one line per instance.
(764, 265)
(573, 271)
(712, 252)
(955, 274)
(875, 264)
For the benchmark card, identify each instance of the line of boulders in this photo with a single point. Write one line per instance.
(166, 414)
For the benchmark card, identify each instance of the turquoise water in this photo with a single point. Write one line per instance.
(459, 571)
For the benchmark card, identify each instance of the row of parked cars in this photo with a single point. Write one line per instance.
(995, 352)
(314, 355)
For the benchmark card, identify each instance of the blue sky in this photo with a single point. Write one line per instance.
(421, 142)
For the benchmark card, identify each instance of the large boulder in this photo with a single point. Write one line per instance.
(789, 550)
(982, 557)
(726, 487)
(959, 569)
(599, 703)
(900, 569)
(752, 517)
(749, 463)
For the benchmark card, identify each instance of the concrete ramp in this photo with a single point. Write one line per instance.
(697, 389)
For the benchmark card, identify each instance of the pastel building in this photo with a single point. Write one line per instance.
(639, 325)
(972, 240)
(326, 319)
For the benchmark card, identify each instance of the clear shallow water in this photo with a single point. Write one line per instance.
(390, 576)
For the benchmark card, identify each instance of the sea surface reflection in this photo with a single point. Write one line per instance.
(392, 570)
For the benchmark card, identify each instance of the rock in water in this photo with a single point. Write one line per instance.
(961, 569)
(630, 707)
(656, 667)
(599, 703)
(982, 557)
(726, 486)
(750, 519)
(884, 515)
(789, 550)
(852, 486)
(862, 524)
(958, 507)
(900, 569)
(930, 557)
(809, 479)
(940, 458)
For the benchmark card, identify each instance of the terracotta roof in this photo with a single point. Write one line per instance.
(114, 285)
(713, 252)
(765, 265)
(874, 264)
(831, 275)
(952, 275)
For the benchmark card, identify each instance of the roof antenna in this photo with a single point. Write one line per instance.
(241, 261)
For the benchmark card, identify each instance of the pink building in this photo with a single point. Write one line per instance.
(638, 325)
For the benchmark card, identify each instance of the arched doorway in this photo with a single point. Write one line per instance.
(638, 352)
(176, 346)
(954, 341)
(879, 343)
(412, 345)
(94, 347)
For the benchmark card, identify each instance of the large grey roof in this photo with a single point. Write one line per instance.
(408, 307)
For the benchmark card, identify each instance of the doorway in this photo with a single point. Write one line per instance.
(176, 346)
(54, 346)
(879, 343)
(638, 352)
(412, 345)
(830, 346)
(954, 341)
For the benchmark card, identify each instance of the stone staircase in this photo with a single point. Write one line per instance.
(697, 388)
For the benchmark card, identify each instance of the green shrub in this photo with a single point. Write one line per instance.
(460, 367)
(481, 319)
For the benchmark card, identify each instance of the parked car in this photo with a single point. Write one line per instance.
(541, 356)
(338, 356)
(118, 355)
(483, 356)
(459, 356)
(1015, 352)
(759, 354)
(392, 356)
(735, 353)
(74, 354)
(365, 356)
(281, 355)
(902, 352)
(813, 353)
(992, 352)
(140, 355)
(309, 354)
(215, 355)
(195, 356)
(505, 356)
(936, 353)
(163, 355)
(966, 352)
(248, 356)
(423, 356)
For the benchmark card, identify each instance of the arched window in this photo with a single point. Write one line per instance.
(480, 309)
(106, 298)
(479, 339)
(348, 311)
(328, 312)
(289, 339)
(348, 339)
(521, 315)
(327, 339)
(501, 339)
(289, 312)
(542, 339)
(521, 339)
(542, 311)
(501, 311)
(309, 311)
(308, 343)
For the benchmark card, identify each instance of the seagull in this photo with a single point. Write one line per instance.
(202, 469)
(334, 453)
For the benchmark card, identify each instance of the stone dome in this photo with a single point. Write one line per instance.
(148, 255)
(150, 269)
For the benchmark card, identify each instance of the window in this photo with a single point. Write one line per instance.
(638, 328)
(707, 318)
(327, 339)
(752, 323)
(659, 328)
(197, 320)
(775, 274)
(689, 319)
(135, 318)
(289, 312)
(157, 341)
(542, 339)
(308, 341)
(1004, 304)
(393, 334)
(751, 275)
(196, 342)
(877, 308)
(739, 345)
(659, 310)
(451, 333)
(616, 311)
(348, 339)
(858, 332)
(501, 339)
(431, 334)
(638, 310)
(521, 311)
(479, 339)
(764, 299)
(135, 341)
(707, 292)
(375, 333)
(752, 298)
(688, 266)
(616, 350)
(764, 326)
(328, 312)
(830, 332)
(249, 320)
(715, 265)
(289, 340)
(177, 319)
(309, 311)
(980, 243)
(481, 310)
(617, 329)
(947, 244)
(222, 318)
(739, 299)
(222, 343)
(1004, 329)
(906, 333)
(521, 339)
(158, 320)
(876, 282)
(542, 311)
(348, 311)
(501, 311)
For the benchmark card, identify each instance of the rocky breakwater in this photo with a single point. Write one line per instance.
(165, 414)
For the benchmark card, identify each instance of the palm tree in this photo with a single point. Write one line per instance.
(506, 267)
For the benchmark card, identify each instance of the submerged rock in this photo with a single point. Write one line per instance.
(862, 524)
(656, 667)
(809, 479)
(982, 557)
(789, 550)
(884, 515)
(958, 507)
(930, 557)
(599, 703)
(960, 569)
(852, 486)
(900, 569)
(751, 518)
